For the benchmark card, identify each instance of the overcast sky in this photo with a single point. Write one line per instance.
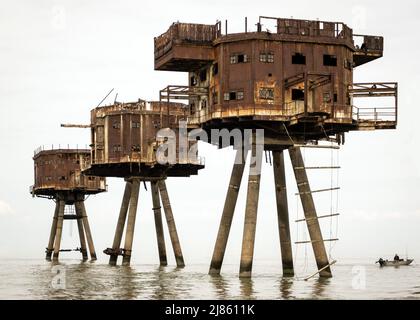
(58, 59)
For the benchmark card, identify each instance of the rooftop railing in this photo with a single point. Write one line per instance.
(188, 33)
(206, 34)
(58, 147)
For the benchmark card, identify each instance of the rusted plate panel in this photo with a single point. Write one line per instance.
(124, 139)
(298, 74)
(60, 170)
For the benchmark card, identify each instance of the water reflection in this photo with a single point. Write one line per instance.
(125, 282)
(35, 280)
(159, 284)
(220, 285)
(319, 287)
(286, 284)
(247, 288)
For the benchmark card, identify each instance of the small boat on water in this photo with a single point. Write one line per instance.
(394, 263)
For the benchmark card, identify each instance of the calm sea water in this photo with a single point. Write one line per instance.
(32, 279)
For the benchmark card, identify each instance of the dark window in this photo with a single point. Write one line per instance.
(116, 125)
(63, 178)
(203, 75)
(335, 97)
(330, 60)
(298, 95)
(233, 95)
(266, 93)
(135, 124)
(298, 58)
(91, 178)
(215, 68)
(117, 148)
(192, 108)
(193, 81)
(238, 58)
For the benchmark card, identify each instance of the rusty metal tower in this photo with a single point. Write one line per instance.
(124, 144)
(296, 83)
(58, 177)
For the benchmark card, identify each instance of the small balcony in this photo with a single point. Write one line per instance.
(368, 48)
(384, 113)
(185, 46)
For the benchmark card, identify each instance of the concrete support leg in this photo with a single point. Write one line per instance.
(283, 213)
(250, 224)
(131, 221)
(158, 224)
(87, 231)
(121, 223)
(79, 214)
(171, 224)
(228, 211)
(310, 211)
(53, 231)
(59, 231)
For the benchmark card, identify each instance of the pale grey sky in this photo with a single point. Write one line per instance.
(59, 58)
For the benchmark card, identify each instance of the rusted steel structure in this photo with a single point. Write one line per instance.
(296, 83)
(58, 177)
(126, 138)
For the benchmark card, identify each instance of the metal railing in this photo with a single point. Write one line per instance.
(365, 43)
(188, 33)
(375, 90)
(310, 28)
(74, 182)
(60, 147)
(379, 114)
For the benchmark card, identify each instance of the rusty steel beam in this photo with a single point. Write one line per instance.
(129, 233)
(250, 223)
(158, 223)
(59, 231)
(79, 214)
(228, 211)
(308, 205)
(283, 213)
(53, 232)
(121, 223)
(171, 224)
(87, 231)
(81, 126)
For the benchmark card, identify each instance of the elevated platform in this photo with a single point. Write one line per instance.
(188, 46)
(142, 171)
(299, 117)
(369, 48)
(185, 46)
(58, 171)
